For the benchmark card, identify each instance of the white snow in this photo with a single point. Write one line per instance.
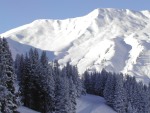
(115, 39)
(93, 104)
(23, 109)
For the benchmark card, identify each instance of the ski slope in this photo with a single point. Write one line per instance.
(115, 39)
(93, 104)
(23, 109)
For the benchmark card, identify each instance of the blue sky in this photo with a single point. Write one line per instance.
(14, 13)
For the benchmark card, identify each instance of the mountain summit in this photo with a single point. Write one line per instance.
(115, 39)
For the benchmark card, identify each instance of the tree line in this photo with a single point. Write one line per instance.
(123, 93)
(8, 102)
(45, 87)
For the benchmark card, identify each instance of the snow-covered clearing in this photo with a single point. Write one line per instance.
(23, 109)
(93, 104)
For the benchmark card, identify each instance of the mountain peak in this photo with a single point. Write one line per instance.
(109, 12)
(114, 39)
(146, 13)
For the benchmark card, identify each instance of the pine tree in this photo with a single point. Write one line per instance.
(3, 76)
(93, 83)
(61, 96)
(56, 70)
(72, 96)
(119, 103)
(109, 89)
(7, 77)
(47, 84)
(128, 85)
(100, 82)
(6, 103)
(139, 103)
(147, 99)
(77, 81)
(9, 67)
(66, 91)
(17, 66)
(24, 84)
(87, 81)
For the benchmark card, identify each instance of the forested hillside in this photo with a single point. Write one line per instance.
(48, 88)
(123, 93)
(42, 86)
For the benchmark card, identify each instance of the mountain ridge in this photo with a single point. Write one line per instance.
(115, 39)
(96, 12)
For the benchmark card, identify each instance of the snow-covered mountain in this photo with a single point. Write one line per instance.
(115, 39)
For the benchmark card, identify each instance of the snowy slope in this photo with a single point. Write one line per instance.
(23, 109)
(115, 39)
(85, 104)
(93, 104)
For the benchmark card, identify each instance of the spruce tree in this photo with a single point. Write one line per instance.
(139, 103)
(87, 81)
(25, 81)
(147, 99)
(72, 96)
(119, 103)
(47, 84)
(100, 82)
(7, 77)
(76, 81)
(61, 96)
(9, 67)
(109, 89)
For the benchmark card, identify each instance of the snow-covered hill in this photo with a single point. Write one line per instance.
(115, 39)
(93, 104)
(23, 109)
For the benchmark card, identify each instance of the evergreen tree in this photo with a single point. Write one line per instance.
(9, 67)
(24, 84)
(47, 85)
(100, 82)
(76, 80)
(138, 99)
(128, 85)
(119, 103)
(93, 82)
(109, 89)
(7, 77)
(61, 96)
(6, 100)
(3, 76)
(72, 96)
(17, 66)
(147, 99)
(87, 82)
